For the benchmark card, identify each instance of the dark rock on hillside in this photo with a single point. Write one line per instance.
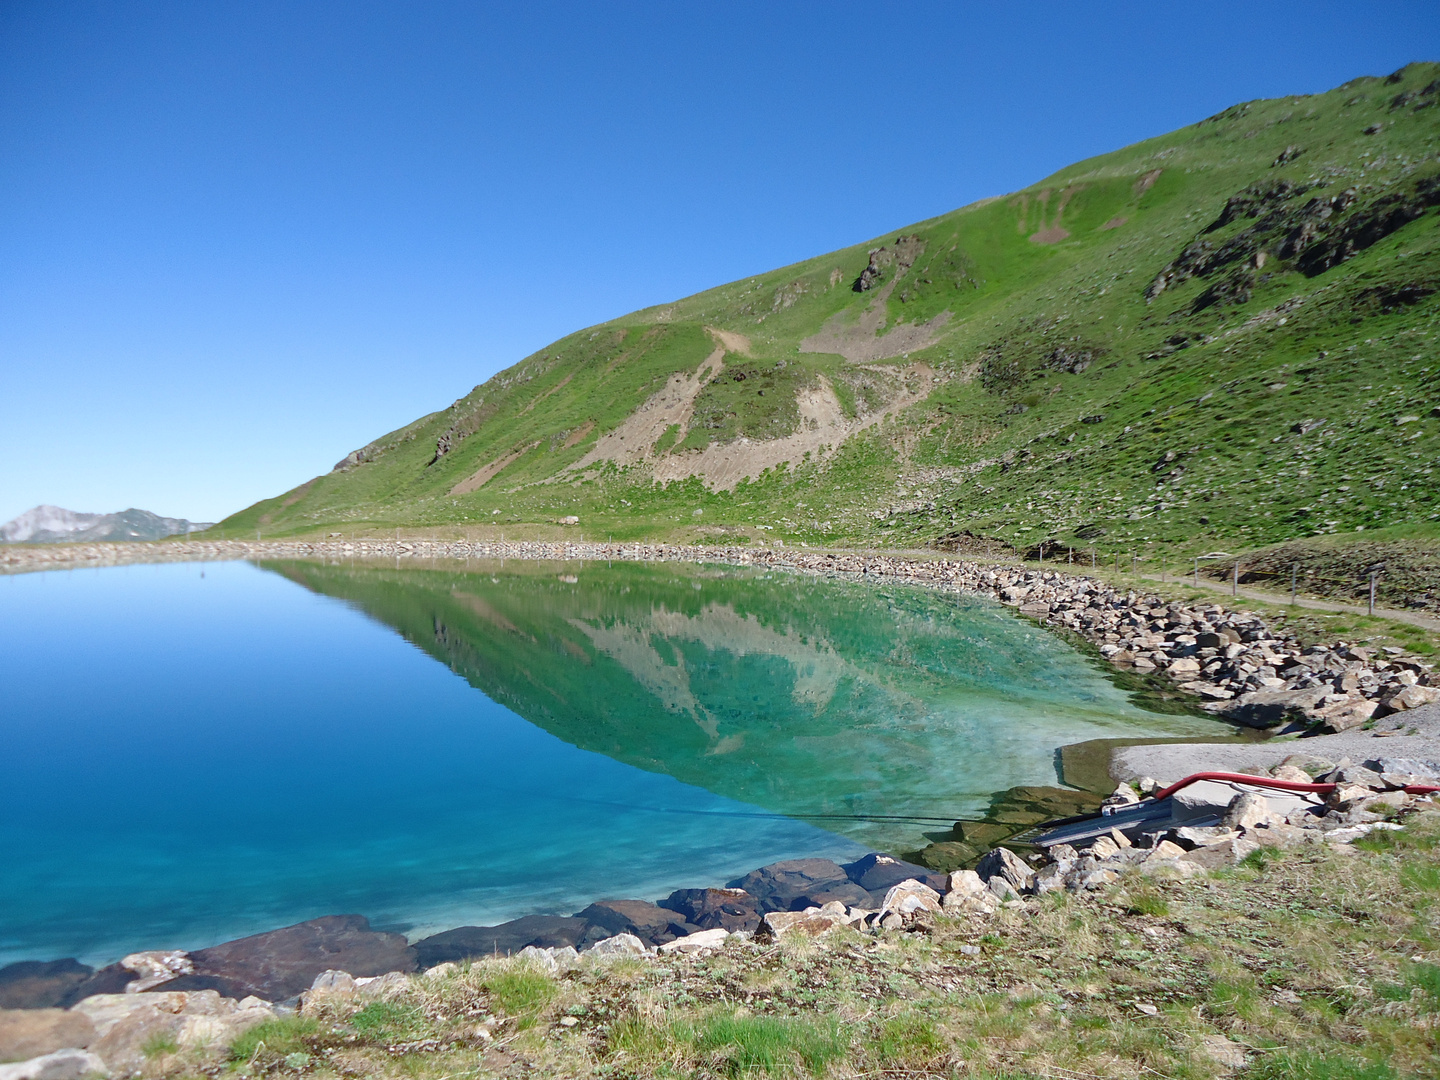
(40, 984)
(711, 909)
(795, 884)
(281, 963)
(651, 923)
(901, 255)
(542, 931)
(877, 872)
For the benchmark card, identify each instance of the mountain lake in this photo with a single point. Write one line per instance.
(194, 752)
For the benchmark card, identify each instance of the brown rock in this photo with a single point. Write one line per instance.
(1346, 714)
(777, 924)
(1224, 853)
(124, 1046)
(28, 1033)
(280, 964)
(651, 923)
(1412, 697)
(715, 909)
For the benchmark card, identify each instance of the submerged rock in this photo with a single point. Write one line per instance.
(40, 984)
(795, 884)
(473, 942)
(876, 872)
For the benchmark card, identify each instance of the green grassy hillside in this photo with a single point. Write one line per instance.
(1223, 335)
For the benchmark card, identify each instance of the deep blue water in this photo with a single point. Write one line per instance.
(192, 753)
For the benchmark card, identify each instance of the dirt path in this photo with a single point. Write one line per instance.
(1414, 618)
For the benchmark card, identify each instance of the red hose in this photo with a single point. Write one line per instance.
(1270, 781)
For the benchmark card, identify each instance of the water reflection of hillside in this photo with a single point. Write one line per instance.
(800, 695)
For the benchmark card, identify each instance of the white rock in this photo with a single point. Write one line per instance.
(538, 958)
(965, 883)
(156, 967)
(617, 946)
(336, 982)
(106, 1010)
(61, 1065)
(910, 896)
(564, 956)
(704, 939)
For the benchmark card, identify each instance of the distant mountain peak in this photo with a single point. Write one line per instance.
(54, 524)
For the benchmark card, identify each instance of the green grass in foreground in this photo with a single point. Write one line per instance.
(1317, 963)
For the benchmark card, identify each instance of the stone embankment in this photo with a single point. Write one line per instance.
(1230, 661)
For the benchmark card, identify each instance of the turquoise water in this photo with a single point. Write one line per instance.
(192, 753)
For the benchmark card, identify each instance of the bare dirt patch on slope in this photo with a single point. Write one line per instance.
(672, 406)
(860, 342)
(483, 475)
(823, 429)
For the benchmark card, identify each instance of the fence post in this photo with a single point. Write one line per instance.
(1235, 580)
(1294, 571)
(1373, 575)
(1092, 558)
(1042, 552)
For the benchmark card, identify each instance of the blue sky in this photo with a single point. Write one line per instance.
(238, 240)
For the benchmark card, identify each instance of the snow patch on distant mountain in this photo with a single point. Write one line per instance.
(55, 524)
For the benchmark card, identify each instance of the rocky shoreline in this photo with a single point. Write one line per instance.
(63, 1021)
(1229, 662)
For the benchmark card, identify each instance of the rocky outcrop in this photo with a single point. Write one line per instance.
(900, 255)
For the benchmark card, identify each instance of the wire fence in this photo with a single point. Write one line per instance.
(1369, 579)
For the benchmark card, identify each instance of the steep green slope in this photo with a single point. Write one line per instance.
(1219, 334)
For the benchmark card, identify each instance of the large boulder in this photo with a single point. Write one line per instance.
(472, 942)
(40, 984)
(715, 909)
(876, 872)
(795, 884)
(651, 923)
(128, 1025)
(1271, 708)
(1004, 864)
(280, 964)
(28, 1033)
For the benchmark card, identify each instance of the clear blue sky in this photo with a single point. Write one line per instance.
(240, 239)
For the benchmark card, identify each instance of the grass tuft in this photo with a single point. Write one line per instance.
(278, 1038)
